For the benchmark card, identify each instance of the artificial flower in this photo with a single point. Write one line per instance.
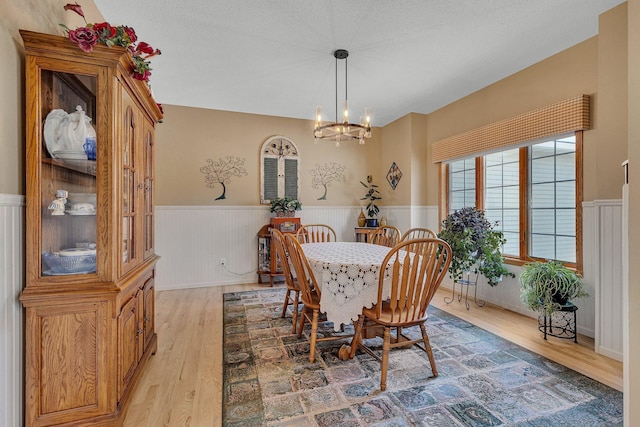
(131, 33)
(102, 32)
(144, 48)
(84, 37)
(76, 8)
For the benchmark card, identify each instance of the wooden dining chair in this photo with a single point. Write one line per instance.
(292, 297)
(386, 235)
(418, 233)
(312, 233)
(310, 294)
(417, 268)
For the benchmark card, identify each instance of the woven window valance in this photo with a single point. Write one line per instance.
(565, 116)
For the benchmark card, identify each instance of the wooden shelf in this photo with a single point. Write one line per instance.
(87, 167)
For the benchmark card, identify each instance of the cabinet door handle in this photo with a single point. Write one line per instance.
(140, 186)
(139, 331)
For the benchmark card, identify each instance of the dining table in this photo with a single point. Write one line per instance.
(347, 274)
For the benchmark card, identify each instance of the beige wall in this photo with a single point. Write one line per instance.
(404, 142)
(397, 147)
(34, 15)
(564, 75)
(632, 361)
(420, 165)
(190, 136)
(611, 129)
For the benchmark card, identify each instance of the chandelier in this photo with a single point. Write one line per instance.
(343, 130)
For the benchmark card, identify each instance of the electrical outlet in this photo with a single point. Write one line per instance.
(223, 261)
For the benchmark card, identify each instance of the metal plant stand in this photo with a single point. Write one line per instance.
(469, 281)
(561, 323)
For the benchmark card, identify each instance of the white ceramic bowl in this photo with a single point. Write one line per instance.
(82, 198)
(81, 208)
(69, 264)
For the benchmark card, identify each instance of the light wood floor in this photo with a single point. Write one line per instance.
(182, 384)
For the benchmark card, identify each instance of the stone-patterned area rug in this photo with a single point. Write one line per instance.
(483, 380)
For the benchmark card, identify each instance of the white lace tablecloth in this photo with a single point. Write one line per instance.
(347, 273)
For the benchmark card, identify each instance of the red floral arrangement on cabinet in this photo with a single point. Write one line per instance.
(104, 33)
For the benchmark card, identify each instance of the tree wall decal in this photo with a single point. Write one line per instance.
(324, 175)
(220, 172)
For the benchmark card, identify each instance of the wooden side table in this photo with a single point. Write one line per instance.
(362, 233)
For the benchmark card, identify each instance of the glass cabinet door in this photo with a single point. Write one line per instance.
(148, 190)
(68, 187)
(129, 187)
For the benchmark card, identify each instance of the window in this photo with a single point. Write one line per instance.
(531, 192)
(462, 184)
(502, 196)
(552, 199)
(279, 169)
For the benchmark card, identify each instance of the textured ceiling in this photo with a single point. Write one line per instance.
(274, 57)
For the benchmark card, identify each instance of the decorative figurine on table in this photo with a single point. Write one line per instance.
(57, 205)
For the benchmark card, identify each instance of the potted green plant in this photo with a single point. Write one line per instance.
(284, 206)
(372, 196)
(475, 245)
(547, 286)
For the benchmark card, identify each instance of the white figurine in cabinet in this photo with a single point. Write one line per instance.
(57, 205)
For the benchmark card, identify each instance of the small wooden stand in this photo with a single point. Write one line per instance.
(268, 263)
(362, 233)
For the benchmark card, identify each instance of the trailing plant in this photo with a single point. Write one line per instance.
(372, 196)
(546, 286)
(475, 245)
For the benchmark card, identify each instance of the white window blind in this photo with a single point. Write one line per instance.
(462, 184)
(502, 196)
(552, 199)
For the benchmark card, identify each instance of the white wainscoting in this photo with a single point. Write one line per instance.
(406, 217)
(12, 233)
(602, 254)
(192, 239)
(606, 269)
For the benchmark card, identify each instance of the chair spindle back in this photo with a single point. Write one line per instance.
(417, 268)
(306, 278)
(313, 233)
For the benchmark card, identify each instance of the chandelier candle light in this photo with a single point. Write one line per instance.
(342, 131)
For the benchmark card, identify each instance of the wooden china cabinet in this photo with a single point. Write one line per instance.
(90, 313)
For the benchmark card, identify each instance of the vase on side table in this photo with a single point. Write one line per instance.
(362, 220)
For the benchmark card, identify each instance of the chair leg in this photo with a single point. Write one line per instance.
(294, 321)
(302, 318)
(385, 358)
(357, 336)
(398, 334)
(427, 347)
(314, 335)
(286, 303)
